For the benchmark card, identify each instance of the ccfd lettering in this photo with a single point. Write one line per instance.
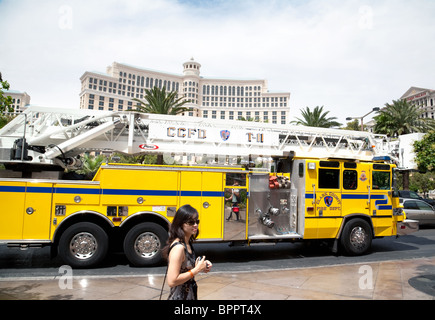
(189, 133)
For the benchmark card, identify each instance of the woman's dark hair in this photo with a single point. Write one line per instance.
(184, 214)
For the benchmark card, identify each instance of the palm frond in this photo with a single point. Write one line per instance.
(161, 102)
(400, 118)
(316, 118)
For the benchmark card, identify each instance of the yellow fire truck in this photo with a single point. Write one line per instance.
(308, 184)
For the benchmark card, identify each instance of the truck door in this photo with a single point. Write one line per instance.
(328, 199)
(381, 205)
(356, 187)
(204, 191)
(37, 211)
(212, 205)
(322, 199)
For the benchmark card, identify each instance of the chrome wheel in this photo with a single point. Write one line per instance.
(147, 245)
(143, 244)
(358, 237)
(83, 245)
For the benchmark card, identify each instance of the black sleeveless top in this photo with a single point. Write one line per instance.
(187, 290)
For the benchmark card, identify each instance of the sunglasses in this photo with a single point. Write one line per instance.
(192, 222)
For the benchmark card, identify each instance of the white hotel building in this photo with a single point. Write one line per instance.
(210, 98)
(423, 98)
(20, 100)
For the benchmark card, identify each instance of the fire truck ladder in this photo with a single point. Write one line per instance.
(47, 136)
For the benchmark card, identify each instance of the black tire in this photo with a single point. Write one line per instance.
(143, 244)
(356, 238)
(83, 245)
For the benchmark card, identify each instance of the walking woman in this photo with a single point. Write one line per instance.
(182, 263)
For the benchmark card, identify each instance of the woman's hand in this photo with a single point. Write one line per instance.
(208, 266)
(202, 265)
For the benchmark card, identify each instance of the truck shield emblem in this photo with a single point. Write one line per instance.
(328, 200)
(225, 134)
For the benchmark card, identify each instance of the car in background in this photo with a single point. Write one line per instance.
(414, 195)
(419, 210)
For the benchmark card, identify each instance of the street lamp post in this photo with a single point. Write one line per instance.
(376, 109)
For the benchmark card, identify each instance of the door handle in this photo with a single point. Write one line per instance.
(206, 205)
(30, 210)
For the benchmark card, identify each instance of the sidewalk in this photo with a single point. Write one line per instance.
(388, 280)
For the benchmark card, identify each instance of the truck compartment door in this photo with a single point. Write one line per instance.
(212, 204)
(204, 192)
(12, 195)
(37, 211)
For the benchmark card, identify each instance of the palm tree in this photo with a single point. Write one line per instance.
(316, 118)
(399, 118)
(161, 102)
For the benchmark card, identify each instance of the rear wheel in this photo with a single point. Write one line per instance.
(83, 245)
(356, 238)
(143, 244)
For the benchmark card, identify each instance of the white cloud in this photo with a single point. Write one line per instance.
(349, 56)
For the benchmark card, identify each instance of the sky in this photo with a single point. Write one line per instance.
(346, 55)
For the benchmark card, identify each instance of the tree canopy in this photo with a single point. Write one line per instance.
(425, 152)
(316, 118)
(399, 118)
(5, 102)
(161, 102)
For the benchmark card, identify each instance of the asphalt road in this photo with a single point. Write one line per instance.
(36, 263)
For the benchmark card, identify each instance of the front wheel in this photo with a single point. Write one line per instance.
(356, 238)
(83, 245)
(143, 244)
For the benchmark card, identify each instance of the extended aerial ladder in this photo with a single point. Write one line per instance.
(45, 138)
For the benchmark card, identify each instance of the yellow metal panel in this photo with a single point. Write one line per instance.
(124, 187)
(212, 193)
(311, 226)
(383, 227)
(37, 211)
(190, 192)
(204, 192)
(328, 227)
(12, 196)
(65, 193)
